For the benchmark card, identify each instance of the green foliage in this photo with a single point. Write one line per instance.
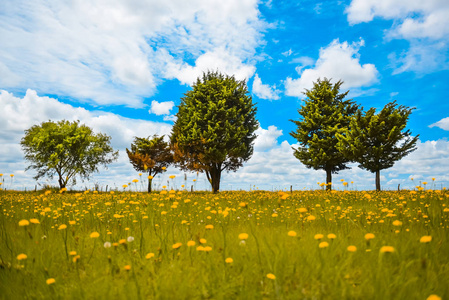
(215, 125)
(377, 141)
(324, 114)
(66, 149)
(151, 155)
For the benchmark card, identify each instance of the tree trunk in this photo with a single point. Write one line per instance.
(378, 180)
(149, 184)
(61, 183)
(214, 176)
(328, 180)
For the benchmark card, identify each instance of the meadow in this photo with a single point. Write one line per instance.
(231, 245)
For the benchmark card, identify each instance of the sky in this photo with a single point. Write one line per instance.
(121, 67)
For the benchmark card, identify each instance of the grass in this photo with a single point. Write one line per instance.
(137, 253)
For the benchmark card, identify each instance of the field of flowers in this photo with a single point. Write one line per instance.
(246, 245)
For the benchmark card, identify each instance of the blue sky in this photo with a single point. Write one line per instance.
(122, 66)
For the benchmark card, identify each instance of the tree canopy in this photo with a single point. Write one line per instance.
(215, 125)
(66, 149)
(324, 114)
(150, 155)
(377, 141)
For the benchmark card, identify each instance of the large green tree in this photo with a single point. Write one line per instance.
(377, 141)
(324, 114)
(151, 155)
(66, 149)
(215, 125)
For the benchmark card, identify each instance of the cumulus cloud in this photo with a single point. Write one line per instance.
(218, 59)
(336, 61)
(161, 108)
(443, 124)
(431, 11)
(264, 91)
(266, 138)
(119, 52)
(424, 23)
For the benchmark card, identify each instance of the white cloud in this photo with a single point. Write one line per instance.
(421, 57)
(218, 59)
(432, 12)
(336, 61)
(266, 138)
(443, 124)
(110, 52)
(161, 108)
(424, 23)
(264, 91)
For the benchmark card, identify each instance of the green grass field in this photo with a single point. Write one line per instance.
(245, 245)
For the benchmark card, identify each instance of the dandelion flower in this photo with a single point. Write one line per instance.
(172, 176)
(62, 227)
(34, 221)
(150, 177)
(397, 223)
(200, 248)
(311, 218)
(209, 226)
(291, 233)
(72, 253)
(323, 245)
(203, 241)
(22, 256)
(434, 297)
(130, 239)
(271, 276)
(177, 245)
(149, 255)
(50, 281)
(208, 248)
(386, 249)
(352, 248)
(229, 260)
(135, 180)
(127, 267)
(94, 235)
(191, 243)
(107, 244)
(318, 236)
(122, 241)
(425, 239)
(331, 236)
(369, 236)
(243, 236)
(24, 223)
(75, 259)
(302, 209)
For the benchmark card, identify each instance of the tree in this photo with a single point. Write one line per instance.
(377, 141)
(215, 125)
(66, 149)
(150, 155)
(324, 114)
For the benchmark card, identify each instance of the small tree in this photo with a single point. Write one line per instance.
(66, 149)
(215, 125)
(150, 155)
(324, 114)
(377, 141)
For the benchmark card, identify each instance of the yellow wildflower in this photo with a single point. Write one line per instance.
(24, 223)
(94, 235)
